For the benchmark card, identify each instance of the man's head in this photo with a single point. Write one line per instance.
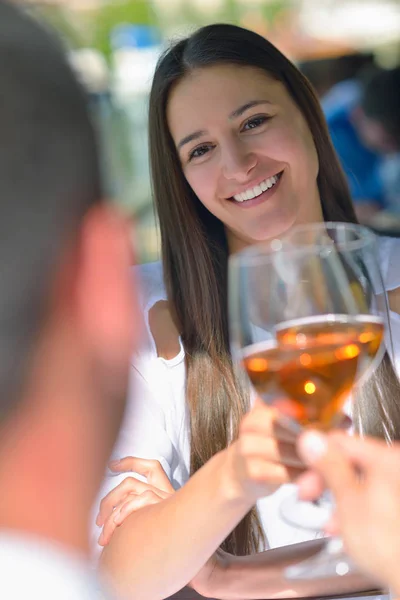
(378, 118)
(65, 295)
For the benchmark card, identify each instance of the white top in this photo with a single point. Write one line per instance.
(34, 569)
(156, 423)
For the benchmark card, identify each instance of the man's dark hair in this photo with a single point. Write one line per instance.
(49, 177)
(324, 73)
(381, 100)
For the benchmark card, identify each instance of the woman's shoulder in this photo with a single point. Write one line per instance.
(161, 337)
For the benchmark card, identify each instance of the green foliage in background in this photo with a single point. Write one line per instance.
(108, 16)
(231, 11)
(191, 15)
(271, 10)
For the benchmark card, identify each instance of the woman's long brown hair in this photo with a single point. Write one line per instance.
(195, 252)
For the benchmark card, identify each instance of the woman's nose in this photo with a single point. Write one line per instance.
(238, 162)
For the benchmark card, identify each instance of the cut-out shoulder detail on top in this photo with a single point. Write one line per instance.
(151, 293)
(163, 330)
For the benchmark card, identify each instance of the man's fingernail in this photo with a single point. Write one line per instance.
(312, 446)
(114, 463)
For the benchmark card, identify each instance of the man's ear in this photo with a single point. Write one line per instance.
(105, 291)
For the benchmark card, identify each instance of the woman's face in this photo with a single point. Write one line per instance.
(246, 151)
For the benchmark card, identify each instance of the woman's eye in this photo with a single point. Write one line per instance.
(199, 151)
(255, 122)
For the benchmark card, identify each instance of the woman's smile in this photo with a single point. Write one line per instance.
(254, 195)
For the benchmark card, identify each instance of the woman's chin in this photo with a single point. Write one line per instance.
(277, 230)
(239, 240)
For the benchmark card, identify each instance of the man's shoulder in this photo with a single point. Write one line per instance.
(36, 568)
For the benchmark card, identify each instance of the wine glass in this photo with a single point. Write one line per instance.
(307, 315)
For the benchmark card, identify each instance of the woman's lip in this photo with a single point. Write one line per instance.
(261, 198)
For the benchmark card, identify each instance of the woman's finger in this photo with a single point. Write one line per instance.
(135, 503)
(268, 422)
(151, 469)
(128, 486)
(270, 449)
(107, 531)
(268, 474)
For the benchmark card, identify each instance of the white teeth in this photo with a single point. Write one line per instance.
(257, 190)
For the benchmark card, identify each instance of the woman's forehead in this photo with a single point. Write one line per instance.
(223, 78)
(219, 90)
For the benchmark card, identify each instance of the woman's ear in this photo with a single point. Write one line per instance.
(105, 291)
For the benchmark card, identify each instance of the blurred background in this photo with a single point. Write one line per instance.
(114, 46)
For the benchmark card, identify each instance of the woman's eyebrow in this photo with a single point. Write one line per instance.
(242, 109)
(191, 137)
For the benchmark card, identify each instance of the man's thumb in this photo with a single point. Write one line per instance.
(312, 447)
(328, 459)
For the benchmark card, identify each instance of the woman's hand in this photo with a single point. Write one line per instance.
(263, 457)
(131, 494)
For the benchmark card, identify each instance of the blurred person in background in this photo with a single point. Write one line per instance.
(338, 83)
(240, 153)
(66, 319)
(364, 477)
(377, 120)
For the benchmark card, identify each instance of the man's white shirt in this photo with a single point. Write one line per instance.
(36, 569)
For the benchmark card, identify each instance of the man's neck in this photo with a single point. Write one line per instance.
(42, 487)
(54, 447)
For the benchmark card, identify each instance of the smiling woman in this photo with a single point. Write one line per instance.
(240, 143)
(239, 153)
